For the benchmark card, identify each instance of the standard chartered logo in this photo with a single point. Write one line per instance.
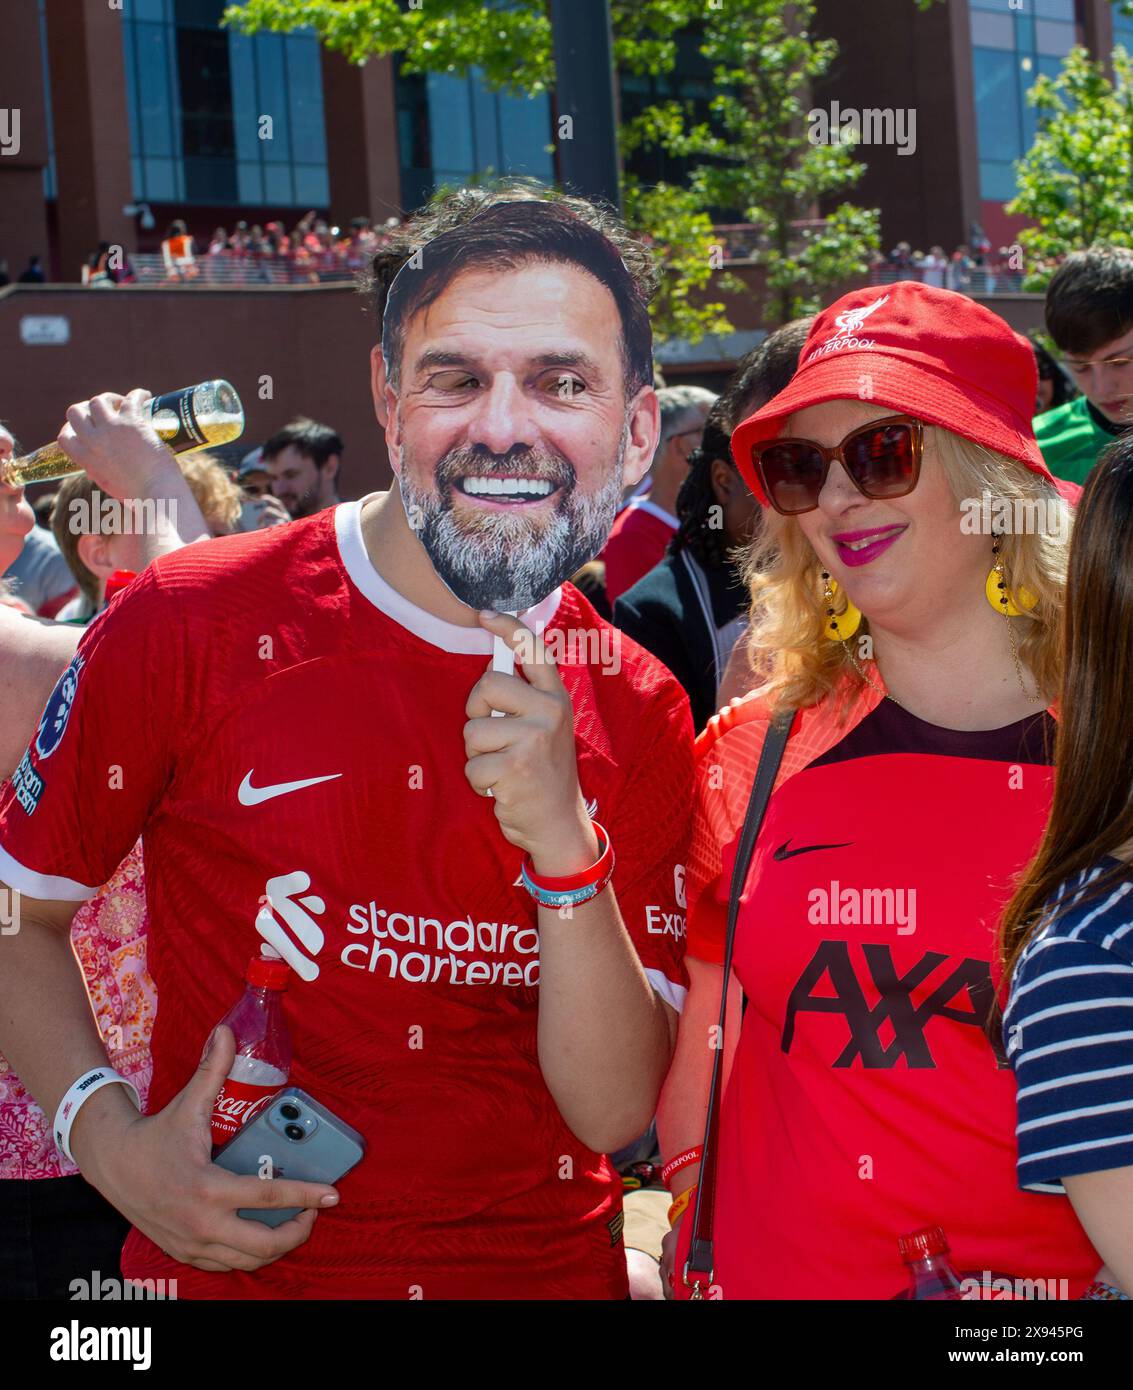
(300, 936)
(405, 946)
(458, 952)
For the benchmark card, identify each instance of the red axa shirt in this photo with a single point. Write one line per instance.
(638, 540)
(870, 1094)
(287, 733)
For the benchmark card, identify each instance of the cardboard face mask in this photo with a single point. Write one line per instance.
(515, 347)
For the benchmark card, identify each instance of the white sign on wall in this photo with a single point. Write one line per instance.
(45, 330)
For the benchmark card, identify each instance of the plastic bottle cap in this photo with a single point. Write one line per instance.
(267, 974)
(922, 1244)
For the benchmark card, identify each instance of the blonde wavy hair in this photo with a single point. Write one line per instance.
(218, 496)
(796, 664)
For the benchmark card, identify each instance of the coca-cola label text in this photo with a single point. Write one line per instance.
(236, 1103)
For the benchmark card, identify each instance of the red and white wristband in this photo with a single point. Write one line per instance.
(572, 890)
(80, 1092)
(682, 1160)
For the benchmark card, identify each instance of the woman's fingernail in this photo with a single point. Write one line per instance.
(330, 1200)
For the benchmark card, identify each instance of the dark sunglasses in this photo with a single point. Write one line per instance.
(882, 459)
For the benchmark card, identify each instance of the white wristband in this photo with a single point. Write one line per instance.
(81, 1091)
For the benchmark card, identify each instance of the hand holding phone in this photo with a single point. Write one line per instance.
(294, 1138)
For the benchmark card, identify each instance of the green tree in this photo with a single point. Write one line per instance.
(1076, 181)
(753, 155)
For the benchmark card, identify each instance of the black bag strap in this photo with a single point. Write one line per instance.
(699, 1267)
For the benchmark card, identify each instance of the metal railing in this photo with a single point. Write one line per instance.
(976, 279)
(227, 269)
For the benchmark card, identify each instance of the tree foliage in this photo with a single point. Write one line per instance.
(1076, 181)
(751, 154)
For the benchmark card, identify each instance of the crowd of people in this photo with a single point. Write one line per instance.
(899, 614)
(974, 268)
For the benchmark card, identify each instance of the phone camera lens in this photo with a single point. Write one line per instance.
(294, 1132)
(289, 1112)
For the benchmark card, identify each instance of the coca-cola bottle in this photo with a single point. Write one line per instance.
(263, 1047)
(931, 1275)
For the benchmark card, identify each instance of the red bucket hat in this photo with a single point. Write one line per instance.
(921, 351)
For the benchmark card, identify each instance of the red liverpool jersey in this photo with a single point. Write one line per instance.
(286, 730)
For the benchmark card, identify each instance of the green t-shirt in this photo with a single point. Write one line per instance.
(1072, 437)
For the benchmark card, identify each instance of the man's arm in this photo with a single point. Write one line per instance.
(156, 1169)
(34, 655)
(605, 1036)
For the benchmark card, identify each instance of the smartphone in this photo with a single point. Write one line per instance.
(292, 1137)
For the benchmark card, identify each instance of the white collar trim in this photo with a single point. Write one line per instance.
(643, 504)
(449, 637)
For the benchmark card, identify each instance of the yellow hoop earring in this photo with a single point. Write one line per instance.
(1011, 605)
(839, 626)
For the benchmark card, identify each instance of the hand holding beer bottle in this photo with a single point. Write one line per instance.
(181, 421)
(113, 440)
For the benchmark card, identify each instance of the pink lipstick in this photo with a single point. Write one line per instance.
(862, 547)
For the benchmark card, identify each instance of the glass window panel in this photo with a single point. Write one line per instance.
(485, 125)
(199, 14)
(154, 104)
(997, 103)
(206, 94)
(160, 183)
(992, 30)
(1054, 9)
(277, 184)
(272, 98)
(1051, 38)
(242, 66)
(525, 133)
(209, 180)
(131, 87)
(1049, 67)
(450, 123)
(250, 182)
(150, 9)
(1024, 33)
(312, 186)
(997, 180)
(305, 83)
(136, 179)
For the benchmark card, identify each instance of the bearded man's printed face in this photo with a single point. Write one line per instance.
(512, 427)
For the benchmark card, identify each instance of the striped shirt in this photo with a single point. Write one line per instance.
(1069, 1031)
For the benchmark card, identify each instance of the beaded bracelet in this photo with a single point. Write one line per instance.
(1100, 1291)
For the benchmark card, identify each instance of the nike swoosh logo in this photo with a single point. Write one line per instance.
(252, 796)
(784, 853)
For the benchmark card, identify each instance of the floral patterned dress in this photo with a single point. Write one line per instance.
(108, 938)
